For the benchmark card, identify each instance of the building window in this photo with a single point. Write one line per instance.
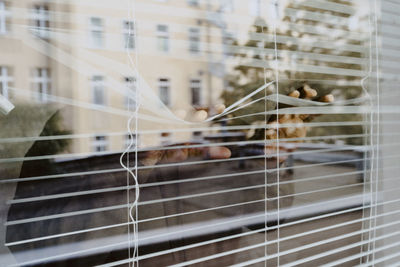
(98, 90)
(229, 49)
(41, 21)
(5, 80)
(130, 99)
(100, 143)
(42, 84)
(164, 90)
(162, 38)
(195, 89)
(193, 2)
(194, 40)
(4, 17)
(135, 141)
(96, 32)
(129, 34)
(165, 139)
(197, 136)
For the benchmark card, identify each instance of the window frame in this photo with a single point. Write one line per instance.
(194, 3)
(5, 15)
(41, 21)
(194, 37)
(127, 141)
(100, 143)
(5, 80)
(164, 83)
(128, 32)
(196, 85)
(98, 86)
(42, 84)
(130, 83)
(163, 38)
(96, 33)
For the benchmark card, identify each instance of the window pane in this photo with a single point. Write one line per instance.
(194, 39)
(199, 133)
(162, 38)
(164, 91)
(128, 31)
(98, 90)
(96, 32)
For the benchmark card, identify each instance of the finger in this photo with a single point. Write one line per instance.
(327, 98)
(308, 92)
(152, 157)
(219, 152)
(295, 94)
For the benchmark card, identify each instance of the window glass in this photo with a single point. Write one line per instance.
(130, 101)
(41, 84)
(4, 18)
(195, 87)
(129, 32)
(98, 90)
(96, 32)
(199, 133)
(194, 40)
(162, 38)
(40, 21)
(131, 141)
(193, 2)
(164, 90)
(100, 143)
(5, 80)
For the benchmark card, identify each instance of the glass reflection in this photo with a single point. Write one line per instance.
(233, 135)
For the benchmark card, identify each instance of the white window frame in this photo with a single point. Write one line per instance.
(194, 40)
(97, 84)
(128, 31)
(100, 143)
(5, 79)
(4, 16)
(42, 84)
(96, 32)
(163, 40)
(41, 21)
(130, 84)
(195, 84)
(164, 83)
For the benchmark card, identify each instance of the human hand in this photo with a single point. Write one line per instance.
(183, 152)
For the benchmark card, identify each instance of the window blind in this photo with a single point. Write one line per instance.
(174, 133)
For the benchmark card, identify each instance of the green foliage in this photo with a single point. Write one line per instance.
(257, 57)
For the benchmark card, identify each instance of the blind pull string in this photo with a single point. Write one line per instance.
(132, 207)
(377, 121)
(276, 62)
(265, 145)
(371, 140)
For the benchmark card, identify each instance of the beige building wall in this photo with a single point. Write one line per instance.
(73, 61)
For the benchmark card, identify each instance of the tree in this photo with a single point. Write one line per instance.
(296, 54)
